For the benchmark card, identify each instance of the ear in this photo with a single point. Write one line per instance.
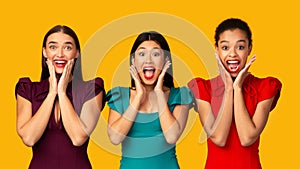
(217, 50)
(132, 60)
(78, 54)
(250, 49)
(44, 52)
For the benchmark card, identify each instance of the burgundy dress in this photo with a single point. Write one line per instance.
(54, 150)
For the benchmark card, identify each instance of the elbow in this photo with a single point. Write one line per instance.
(79, 141)
(171, 139)
(114, 137)
(247, 141)
(219, 141)
(28, 141)
(115, 141)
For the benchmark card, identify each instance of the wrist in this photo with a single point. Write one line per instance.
(62, 93)
(52, 94)
(237, 89)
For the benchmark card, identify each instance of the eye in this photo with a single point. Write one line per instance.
(241, 47)
(52, 47)
(224, 47)
(68, 47)
(156, 54)
(141, 53)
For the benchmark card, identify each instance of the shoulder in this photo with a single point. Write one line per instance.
(180, 95)
(202, 88)
(29, 89)
(263, 84)
(117, 90)
(264, 88)
(117, 97)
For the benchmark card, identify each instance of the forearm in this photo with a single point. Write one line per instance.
(170, 125)
(119, 128)
(33, 129)
(245, 127)
(73, 125)
(219, 129)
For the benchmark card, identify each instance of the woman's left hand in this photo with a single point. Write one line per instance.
(160, 80)
(65, 77)
(238, 83)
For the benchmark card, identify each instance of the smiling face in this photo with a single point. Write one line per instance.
(60, 48)
(148, 60)
(233, 49)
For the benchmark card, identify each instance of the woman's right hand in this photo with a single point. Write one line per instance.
(140, 89)
(52, 78)
(226, 77)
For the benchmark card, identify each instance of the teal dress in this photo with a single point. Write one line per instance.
(145, 146)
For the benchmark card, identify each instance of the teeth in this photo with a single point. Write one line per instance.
(60, 62)
(148, 69)
(232, 61)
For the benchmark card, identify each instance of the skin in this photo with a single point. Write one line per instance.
(59, 46)
(148, 96)
(234, 45)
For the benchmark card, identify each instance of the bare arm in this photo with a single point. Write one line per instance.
(217, 128)
(172, 124)
(119, 125)
(31, 128)
(250, 129)
(80, 128)
(77, 128)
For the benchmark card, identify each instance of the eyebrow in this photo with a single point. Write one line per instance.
(68, 42)
(145, 48)
(225, 41)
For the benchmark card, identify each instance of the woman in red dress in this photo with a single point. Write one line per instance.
(56, 115)
(234, 106)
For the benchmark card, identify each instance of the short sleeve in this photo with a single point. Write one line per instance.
(270, 87)
(200, 89)
(96, 86)
(180, 96)
(115, 99)
(24, 88)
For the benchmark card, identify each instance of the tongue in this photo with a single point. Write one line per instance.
(149, 74)
(233, 67)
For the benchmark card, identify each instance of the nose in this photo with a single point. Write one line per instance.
(232, 52)
(60, 52)
(148, 58)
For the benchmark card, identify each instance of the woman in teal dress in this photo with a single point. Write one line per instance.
(148, 117)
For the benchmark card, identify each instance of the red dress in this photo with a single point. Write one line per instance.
(54, 150)
(233, 155)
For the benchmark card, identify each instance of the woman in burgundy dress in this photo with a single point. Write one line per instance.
(56, 115)
(234, 107)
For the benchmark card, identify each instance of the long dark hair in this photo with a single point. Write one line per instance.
(77, 68)
(162, 42)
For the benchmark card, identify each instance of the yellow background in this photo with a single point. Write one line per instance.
(275, 27)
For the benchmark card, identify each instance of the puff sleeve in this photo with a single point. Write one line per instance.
(24, 88)
(201, 89)
(180, 96)
(115, 100)
(95, 87)
(269, 87)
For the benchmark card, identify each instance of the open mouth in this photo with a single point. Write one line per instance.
(60, 63)
(148, 72)
(233, 65)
